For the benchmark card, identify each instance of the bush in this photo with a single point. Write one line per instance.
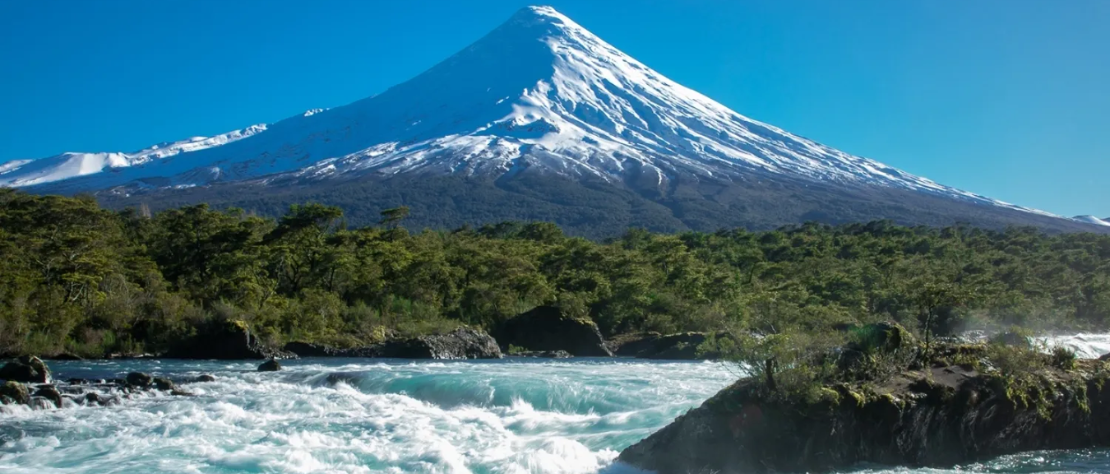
(1064, 358)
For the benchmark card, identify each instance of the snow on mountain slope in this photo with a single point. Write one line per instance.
(67, 165)
(1092, 220)
(12, 165)
(538, 92)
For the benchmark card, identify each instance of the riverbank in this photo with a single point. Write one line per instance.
(549, 335)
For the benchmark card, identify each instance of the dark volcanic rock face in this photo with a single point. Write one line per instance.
(631, 345)
(229, 340)
(462, 343)
(545, 328)
(946, 417)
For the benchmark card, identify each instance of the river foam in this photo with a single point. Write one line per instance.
(354, 416)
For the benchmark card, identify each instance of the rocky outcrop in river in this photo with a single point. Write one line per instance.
(462, 343)
(940, 415)
(546, 328)
(75, 392)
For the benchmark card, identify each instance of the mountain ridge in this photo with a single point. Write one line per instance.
(538, 94)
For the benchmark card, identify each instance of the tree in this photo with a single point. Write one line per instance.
(392, 217)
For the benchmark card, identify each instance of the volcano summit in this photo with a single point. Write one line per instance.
(538, 120)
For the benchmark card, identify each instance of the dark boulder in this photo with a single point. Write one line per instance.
(65, 356)
(271, 365)
(50, 393)
(162, 383)
(205, 378)
(546, 328)
(14, 392)
(631, 345)
(93, 398)
(226, 340)
(27, 369)
(462, 343)
(139, 379)
(18, 372)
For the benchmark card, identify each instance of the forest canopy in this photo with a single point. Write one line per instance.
(77, 278)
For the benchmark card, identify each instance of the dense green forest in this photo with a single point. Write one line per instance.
(81, 279)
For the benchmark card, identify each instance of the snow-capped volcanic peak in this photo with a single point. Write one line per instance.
(542, 91)
(539, 92)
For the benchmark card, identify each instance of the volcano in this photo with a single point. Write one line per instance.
(538, 120)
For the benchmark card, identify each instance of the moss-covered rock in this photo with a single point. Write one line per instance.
(15, 392)
(939, 415)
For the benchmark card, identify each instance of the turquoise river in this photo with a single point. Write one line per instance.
(380, 416)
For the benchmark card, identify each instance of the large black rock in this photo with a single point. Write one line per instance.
(462, 343)
(632, 344)
(50, 393)
(27, 369)
(546, 328)
(139, 379)
(226, 340)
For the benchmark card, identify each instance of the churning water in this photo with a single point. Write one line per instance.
(370, 416)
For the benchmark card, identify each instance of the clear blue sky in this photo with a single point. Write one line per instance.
(1008, 98)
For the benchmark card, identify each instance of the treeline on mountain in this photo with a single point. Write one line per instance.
(78, 278)
(595, 209)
